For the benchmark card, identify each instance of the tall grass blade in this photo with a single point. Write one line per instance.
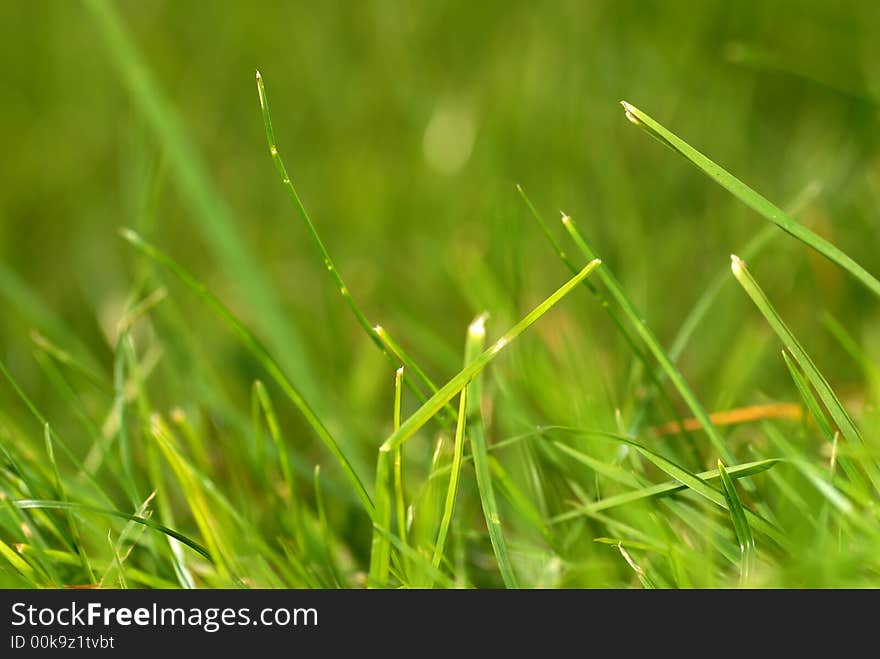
(372, 331)
(820, 418)
(476, 432)
(399, 492)
(454, 477)
(826, 394)
(380, 553)
(751, 198)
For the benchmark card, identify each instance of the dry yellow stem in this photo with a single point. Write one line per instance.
(734, 416)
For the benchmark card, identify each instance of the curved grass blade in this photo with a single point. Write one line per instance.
(814, 376)
(372, 331)
(701, 307)
(28, 504)
(751, 198)
(740, 525)
(751, 249)
(448, 391)
(260, 353)
(480, 453)
(313, 233)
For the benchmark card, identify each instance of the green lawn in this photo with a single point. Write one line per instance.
(426, 307)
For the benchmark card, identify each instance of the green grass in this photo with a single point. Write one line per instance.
(258, 382)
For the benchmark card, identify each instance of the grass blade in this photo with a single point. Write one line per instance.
(374, 332)
(751, 249)
(819, 417)
(460, 381)
(751, 198)
(260, 353)
(380, 553)
(194, 493)
(698, 483)
(454, 477)
(740, 524)
(29, 504)
(703, 488)
(662, 489)
(399, 494)
(817, 380)
(479, 451)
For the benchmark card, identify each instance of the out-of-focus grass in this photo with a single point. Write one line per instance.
(406, 130)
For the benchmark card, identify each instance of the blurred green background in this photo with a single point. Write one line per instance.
(405, 127)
